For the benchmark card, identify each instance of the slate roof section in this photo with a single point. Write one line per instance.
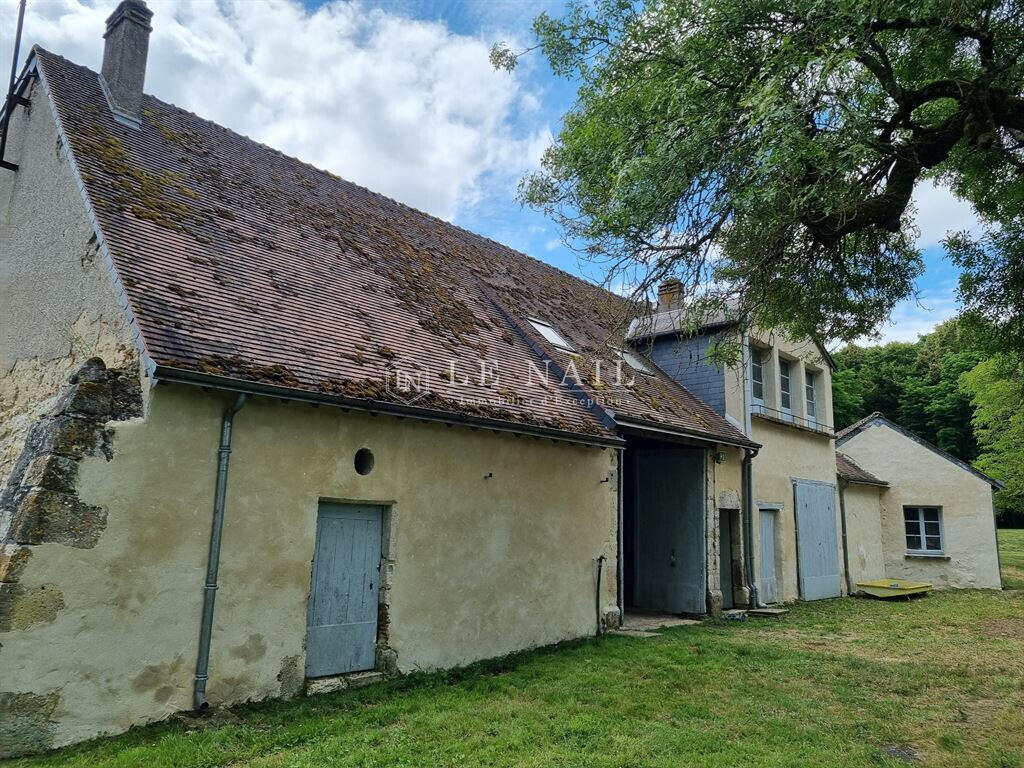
(848, 470)
(877, 419)
(241, 264)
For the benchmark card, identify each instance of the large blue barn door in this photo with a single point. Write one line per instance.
(671, 554)
(341, 623)
(816, 539)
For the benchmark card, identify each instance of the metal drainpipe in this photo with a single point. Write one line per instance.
(213, 560)
(846, 546)
(748, 514)
(748, 478)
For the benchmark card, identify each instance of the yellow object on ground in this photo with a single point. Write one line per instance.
(893, 587)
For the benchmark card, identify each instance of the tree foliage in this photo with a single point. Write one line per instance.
(946, 388)
(997, 394)
(916, 385)
(765, 152)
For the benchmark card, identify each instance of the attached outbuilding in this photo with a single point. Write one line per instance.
(912, 511)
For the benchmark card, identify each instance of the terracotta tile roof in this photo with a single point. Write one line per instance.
(847, 469)
(240, 262)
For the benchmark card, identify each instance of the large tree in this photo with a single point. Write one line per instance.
(996, 390)
(765, 152)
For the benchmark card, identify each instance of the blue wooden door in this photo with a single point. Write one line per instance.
(769, 569)
(671, 555)
(816, 540)
(341, 619)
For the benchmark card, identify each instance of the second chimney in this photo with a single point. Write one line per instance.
(668, 294)
(124, 58)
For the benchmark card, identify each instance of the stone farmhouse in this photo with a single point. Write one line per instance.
(265, 432)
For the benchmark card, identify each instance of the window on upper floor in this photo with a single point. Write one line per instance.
(785, 397)
(550, 334)
(810, 395)
(924, 530)
(757, 374)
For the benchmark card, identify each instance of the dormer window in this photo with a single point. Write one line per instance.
(757, 375)
(785, 396)
(810, 396)
(550, 334)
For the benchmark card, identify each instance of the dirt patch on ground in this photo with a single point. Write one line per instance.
(1009, 627)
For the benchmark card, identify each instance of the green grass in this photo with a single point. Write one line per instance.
(1011, 556)
(831, 683)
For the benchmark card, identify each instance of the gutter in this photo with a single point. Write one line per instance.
(754, 600)
(693, 434)
(225, 383)
(213, 560)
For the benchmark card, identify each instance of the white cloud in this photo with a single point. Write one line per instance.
(939, 212)
(404, 107)
(913, 318)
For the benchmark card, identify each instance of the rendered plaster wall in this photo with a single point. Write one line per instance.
(59, 305)
(788, 451)
(492, 548)
(920, 477)
(787, 454)
(864, 531)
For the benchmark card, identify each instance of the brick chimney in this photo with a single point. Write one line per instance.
(668, 295)
(124, 59)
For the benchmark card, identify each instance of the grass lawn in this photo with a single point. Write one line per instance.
(832, 683)
(1011, 555)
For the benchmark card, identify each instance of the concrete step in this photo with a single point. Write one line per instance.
(768, 613)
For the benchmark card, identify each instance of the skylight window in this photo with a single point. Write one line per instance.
(635, 362)
(550, 334)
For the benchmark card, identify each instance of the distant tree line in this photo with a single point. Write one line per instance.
(946, 388)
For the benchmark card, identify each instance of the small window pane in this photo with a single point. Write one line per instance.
(931, 514)
(784, 384)
(757, 373)
(551, 334)
(931, 529)
(913, 542)
(910, 513)
(912, 526)
(634, 362)
(933, 543)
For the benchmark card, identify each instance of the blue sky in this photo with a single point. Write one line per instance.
(398, 95)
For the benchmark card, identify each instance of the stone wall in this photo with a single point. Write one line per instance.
(40, 506)
(918, 476)
(491, 544)
(60, 306)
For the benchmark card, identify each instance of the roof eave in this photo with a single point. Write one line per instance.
(706, 437)
(193, 378)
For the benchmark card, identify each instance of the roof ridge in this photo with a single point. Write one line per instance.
(854, 429)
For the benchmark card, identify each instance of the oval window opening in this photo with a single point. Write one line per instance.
(364, 461)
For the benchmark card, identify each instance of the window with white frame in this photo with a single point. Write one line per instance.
(785, 398)
(924, 530)
(810, 396)
(550, 334)
(757, 375)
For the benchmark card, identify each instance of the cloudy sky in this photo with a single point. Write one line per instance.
(397, 95)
